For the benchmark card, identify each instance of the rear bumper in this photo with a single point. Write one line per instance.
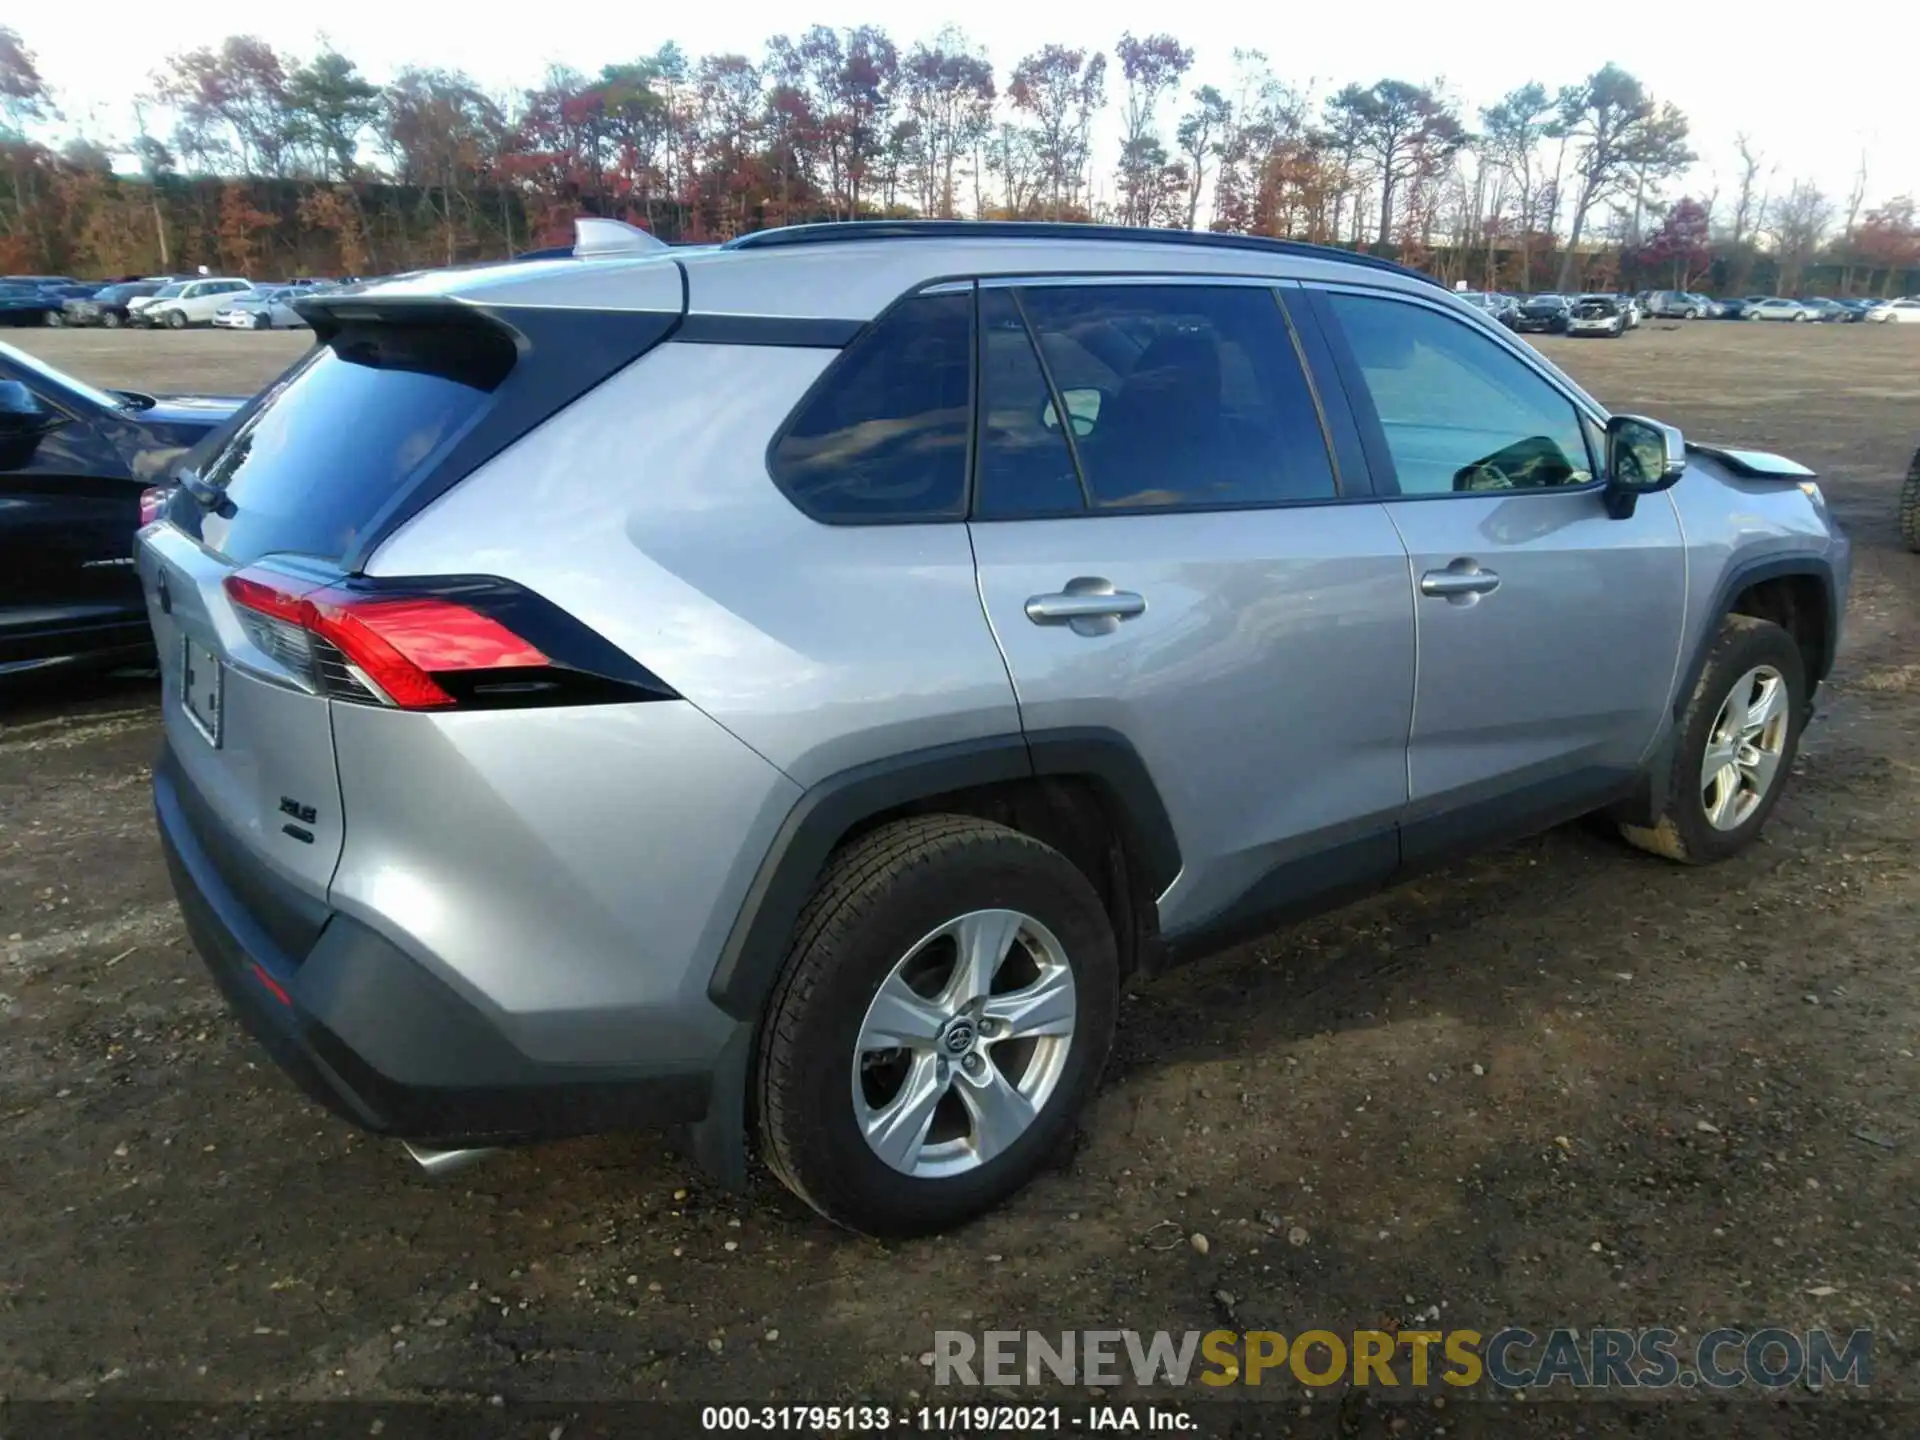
(374, 1036)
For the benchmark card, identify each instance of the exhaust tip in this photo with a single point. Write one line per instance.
(444, 1162)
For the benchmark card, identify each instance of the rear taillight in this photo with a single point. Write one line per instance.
(434, 644)
(153, 500)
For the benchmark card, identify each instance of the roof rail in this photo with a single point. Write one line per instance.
(849, 230)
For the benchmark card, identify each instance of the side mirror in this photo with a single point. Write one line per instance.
(1643, 457)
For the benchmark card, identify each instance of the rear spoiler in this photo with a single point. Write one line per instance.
(1755, 464)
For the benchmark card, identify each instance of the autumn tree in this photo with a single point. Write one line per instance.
(1618, 137)
(1404, 133)
(440, 132)
(1150, 68)
(231, 104)
(1682, 243)
(948, 93)
(1889, 238)
(242, 224)
(1060, 90)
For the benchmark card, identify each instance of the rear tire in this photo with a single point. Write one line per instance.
(1910, 507)
(1751, 653)
(882, 908)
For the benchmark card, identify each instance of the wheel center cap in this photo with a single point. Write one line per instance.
(959, 1037)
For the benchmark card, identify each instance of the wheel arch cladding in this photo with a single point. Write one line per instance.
(839, 807)
(1795, 592)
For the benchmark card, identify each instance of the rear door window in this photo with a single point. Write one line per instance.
(1176, 396)
(882, 436)
(316, 463)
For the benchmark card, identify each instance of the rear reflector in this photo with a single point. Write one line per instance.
(433, 644)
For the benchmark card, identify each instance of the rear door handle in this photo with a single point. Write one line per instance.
(1088, 604)
(1462, 581)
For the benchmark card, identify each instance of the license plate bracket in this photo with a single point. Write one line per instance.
(202, 689)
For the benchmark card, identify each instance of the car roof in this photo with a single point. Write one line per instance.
(853, 270)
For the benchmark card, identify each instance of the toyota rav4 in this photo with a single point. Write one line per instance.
(787, 687)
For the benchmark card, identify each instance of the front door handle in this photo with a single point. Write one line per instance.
(1089, 604)
(1462, 582)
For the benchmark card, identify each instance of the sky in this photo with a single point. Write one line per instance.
(1815, 107)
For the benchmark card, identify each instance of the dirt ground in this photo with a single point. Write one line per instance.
(1563, 1084)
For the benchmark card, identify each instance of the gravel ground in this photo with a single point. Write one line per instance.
(1561, 1084)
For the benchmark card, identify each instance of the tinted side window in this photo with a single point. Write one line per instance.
(883, 435)
(1181, 395)
(1025, 467)
(1459, 413)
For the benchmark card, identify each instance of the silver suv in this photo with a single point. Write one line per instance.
(788, 687)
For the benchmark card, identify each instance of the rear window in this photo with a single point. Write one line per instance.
(340, 435)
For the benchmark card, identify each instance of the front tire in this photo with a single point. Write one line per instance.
(109, 320)
(946, 1008)
(176, 319)
(1690, 315)
(1736, 745)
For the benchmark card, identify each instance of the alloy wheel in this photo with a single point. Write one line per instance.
(964, 1043)
(1744, 747)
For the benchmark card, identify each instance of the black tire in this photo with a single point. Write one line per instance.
(1690, 315)
(1683, 832)
(55, 319)
(1910, 507)
(176, 319)
(878, 897)
(263, 322)
(110, 319)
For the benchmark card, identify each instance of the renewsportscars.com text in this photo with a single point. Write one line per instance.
(1510, 1358)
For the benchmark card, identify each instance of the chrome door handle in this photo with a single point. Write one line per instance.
(1463, 580)
(1089, 604)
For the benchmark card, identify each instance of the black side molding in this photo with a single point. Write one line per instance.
(777, 330)
(756, 947)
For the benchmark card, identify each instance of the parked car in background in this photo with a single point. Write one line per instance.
(1776, 307)
(74, 463)
(263, 310)
(26, 304)
(1599, 315)
(1896, 312)
(1541, 314)
(107, 307)
(1828, 312)
(1631, 309)
(1491, 301)
(190, 302)
(1856, 308)
(1156, 672)
(1679, 305)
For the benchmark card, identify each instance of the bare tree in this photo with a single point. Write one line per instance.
(1511, 132)
(1799, 223)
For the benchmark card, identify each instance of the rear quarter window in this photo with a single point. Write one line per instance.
(882, 435)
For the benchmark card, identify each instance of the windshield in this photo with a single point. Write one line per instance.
(60, 381)
(168, 292)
